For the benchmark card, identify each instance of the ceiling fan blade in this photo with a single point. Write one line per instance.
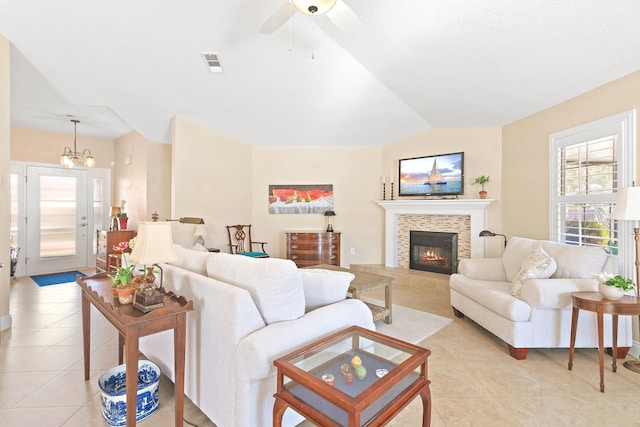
(278, 18)
(345, 19)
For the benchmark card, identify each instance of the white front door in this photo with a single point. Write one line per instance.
(57, 220)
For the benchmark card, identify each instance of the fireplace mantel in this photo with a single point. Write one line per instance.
(474, 208)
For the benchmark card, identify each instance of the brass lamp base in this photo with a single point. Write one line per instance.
(632, 365)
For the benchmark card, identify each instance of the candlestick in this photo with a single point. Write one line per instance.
(384, 191)
(392, 191)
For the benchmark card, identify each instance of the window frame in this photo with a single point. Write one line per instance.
(622, 126)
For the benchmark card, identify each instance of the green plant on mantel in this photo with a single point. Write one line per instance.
(482, 180)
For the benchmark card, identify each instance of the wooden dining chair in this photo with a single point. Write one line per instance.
(240, 242)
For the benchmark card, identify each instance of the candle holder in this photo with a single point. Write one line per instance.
(384, 191)
(392, 191)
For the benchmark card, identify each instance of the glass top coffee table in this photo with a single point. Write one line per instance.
(323, 382)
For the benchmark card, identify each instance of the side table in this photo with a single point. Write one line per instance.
(364, 282)
(131, 325)
(593, 301)
(313, 382)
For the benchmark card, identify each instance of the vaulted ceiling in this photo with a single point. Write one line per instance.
(123, 65)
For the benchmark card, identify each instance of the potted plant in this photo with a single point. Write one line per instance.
(122, 282)
(482, 180)
(613, 286)
(122, 220)
(122, 216)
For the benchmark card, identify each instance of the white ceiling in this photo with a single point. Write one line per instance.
(120, 65)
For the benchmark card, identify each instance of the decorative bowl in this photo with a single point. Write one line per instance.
(113, 393)
(610, 292)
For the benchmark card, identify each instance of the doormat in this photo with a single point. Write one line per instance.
(57, 278)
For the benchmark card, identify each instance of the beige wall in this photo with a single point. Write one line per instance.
(355, 177)
(42, 146)
(482, 149)
(211, 178)
(5, 147)
(130, 180)
(525, 152)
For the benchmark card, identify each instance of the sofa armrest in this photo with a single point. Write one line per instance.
(554, 293)
(490, 269)
(255, 354)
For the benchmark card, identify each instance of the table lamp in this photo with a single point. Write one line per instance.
(329, 215)
(628, 209)
(200, 232)
(154, 244)
(115, 210)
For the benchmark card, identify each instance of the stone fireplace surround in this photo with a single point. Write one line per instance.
(473, 209)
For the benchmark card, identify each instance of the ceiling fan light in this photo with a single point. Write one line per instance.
(314, 7)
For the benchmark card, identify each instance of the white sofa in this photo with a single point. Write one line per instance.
(248, 312)
(524, 298)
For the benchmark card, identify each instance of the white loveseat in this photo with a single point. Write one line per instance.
(248, 312)
(524, 298)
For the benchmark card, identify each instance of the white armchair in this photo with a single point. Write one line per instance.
(524, 298)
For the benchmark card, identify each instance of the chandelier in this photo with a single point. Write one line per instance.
(73, 158)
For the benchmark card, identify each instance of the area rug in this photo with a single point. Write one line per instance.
(57, 278)
(412, 326)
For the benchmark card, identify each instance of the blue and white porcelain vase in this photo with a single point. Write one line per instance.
(113, 393)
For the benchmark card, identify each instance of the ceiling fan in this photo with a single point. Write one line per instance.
(338, 12)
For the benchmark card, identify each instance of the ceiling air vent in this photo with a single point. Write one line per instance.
(213, 61)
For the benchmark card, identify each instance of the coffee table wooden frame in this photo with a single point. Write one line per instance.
(353, 406)
(132, 324)
(365, 282)
(593, 301)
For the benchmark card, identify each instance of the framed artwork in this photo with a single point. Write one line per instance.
(300, 199)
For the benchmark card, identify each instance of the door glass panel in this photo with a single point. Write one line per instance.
(13, 231)
(57, 216)
(98, 205)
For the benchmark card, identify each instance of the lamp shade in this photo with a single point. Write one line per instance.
(154, 244)
(200, 230)
(115, 210)
(627, 204)
(329, 213)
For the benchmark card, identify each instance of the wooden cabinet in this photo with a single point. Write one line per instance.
(107, 260)
(308, 248)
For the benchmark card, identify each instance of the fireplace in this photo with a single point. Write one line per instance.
(433, 251)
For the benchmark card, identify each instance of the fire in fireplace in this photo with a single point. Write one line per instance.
(433, 251)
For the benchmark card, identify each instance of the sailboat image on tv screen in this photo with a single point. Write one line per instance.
(435, 177)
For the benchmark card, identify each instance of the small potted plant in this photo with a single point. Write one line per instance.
(613, 286)
(122, 282)
(482, 180)
(122, 216)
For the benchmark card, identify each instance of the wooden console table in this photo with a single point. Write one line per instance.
(131, 325)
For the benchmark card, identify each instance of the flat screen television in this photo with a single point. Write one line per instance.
(438, 175)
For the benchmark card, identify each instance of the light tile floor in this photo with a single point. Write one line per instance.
(474, 380)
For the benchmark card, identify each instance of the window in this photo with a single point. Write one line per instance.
(587, 166)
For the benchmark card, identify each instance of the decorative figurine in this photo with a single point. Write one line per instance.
(348, 377)
(356, 361)
(361, 372)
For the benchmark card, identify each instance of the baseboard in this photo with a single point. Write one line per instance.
(5, 322)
